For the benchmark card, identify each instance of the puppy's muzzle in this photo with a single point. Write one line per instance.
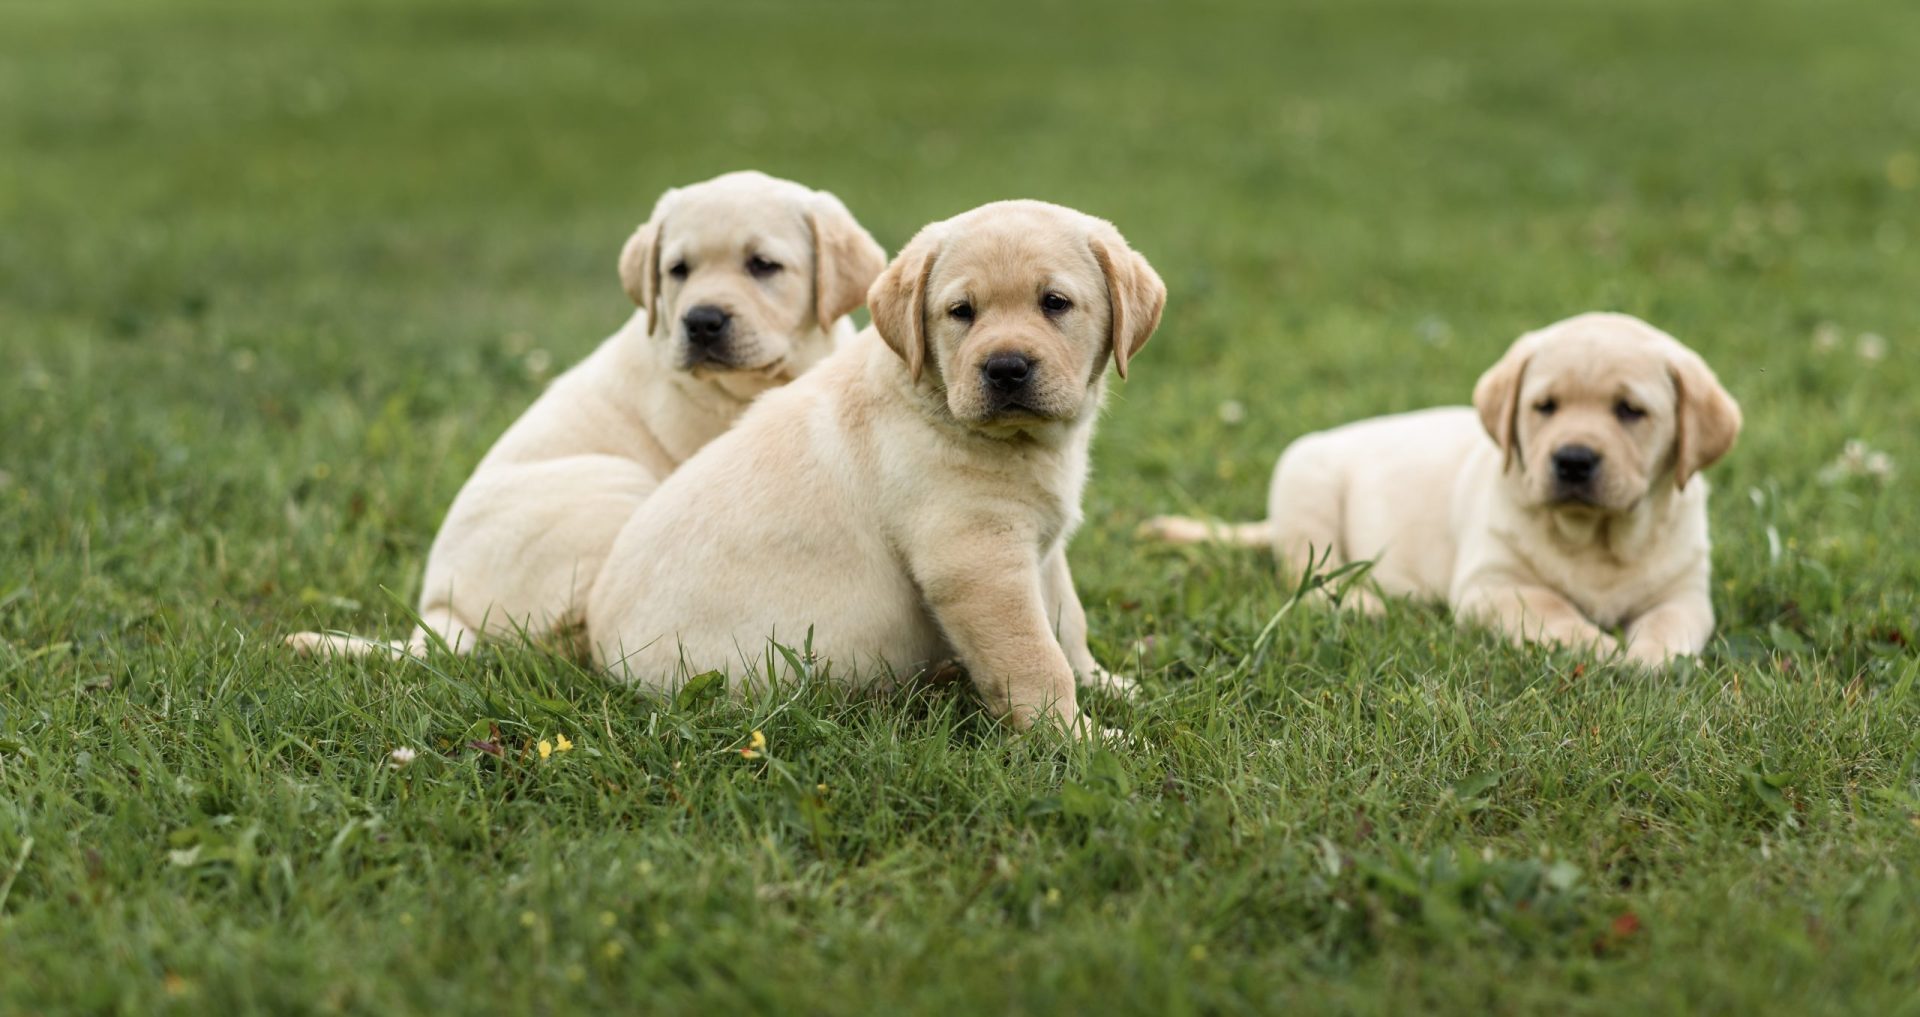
(1575, 468)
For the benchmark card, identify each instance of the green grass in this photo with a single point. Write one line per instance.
(272, 277)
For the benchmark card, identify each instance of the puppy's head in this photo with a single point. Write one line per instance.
(1013, 308)
(1599, 409)
(748, 273)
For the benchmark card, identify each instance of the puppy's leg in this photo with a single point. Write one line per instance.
(1070, 624)
(1533, 613)
(1306, 506)
(1677, 627)
(988, 597)
(522, 545)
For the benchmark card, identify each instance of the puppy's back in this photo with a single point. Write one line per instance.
(1380, 489)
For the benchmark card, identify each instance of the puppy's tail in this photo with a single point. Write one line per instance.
(341, 645)
(1187, 530)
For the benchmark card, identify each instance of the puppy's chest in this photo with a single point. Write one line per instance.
(1032, 491)
(682, 426)
(1607, 590)
(1057, 509)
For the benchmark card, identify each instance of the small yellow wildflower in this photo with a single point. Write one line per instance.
(755, 745)
(613, 950)
(562, 743)
(607, 919)
(546, 748)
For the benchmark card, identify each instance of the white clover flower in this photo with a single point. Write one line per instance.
(1826, 337)
(1856, 459)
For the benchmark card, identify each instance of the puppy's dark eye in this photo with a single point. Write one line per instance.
(679, 270)
(1627, 412)
(1054, 303)
(961, 312)
(1545, 407)
(761, 267)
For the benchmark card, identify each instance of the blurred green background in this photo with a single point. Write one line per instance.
(274, 275)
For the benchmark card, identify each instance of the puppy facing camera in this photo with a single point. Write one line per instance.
(909, 501)
(1563, 503)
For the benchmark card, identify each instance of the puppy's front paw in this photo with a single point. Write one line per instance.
(1652, 654)
(1106, 681)
(1110, 737)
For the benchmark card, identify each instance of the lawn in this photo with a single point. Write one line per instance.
(274, 275)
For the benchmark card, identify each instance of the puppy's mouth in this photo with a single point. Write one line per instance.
(1570, 497)
(705, 361)
(1017, 412)
(1016, 409)
(1012, 419)
(1587, 500)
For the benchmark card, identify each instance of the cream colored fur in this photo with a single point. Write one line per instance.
(1462, 504)
(890, 507)
(527, 533)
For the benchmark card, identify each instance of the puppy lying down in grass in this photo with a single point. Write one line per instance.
(1562, 504)
(909, 500)
(742, 282)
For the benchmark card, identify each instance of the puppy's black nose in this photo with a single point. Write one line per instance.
(1006, 371)
(1575, 464)
(706, 324)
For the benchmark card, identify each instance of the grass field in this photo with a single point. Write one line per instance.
(272, 277)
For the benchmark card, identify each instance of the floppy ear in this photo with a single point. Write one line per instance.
(1135, 294)
(898, 301)
(1706, 419)
(846, 259)
(640, 260)
(1497, 396)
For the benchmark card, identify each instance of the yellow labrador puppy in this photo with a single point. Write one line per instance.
(909, 501)
(742, 282)
(1580, 514)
